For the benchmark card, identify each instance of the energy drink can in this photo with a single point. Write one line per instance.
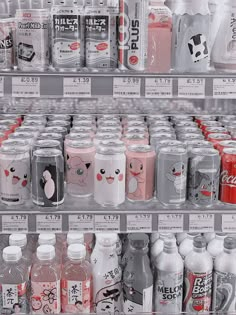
(7, 54)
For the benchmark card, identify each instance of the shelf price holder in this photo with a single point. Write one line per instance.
(139, 223)
(201, 222)
(81, 222)
(127, 87)
(224, 88)
(107, 222)
(159, 87)
(170, 223)
(26, 86)
(49, 223)
(77, 87)
(1, 86)
(191, 87)
(228, 223)
(14, 223)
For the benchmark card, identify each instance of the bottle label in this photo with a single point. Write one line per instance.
(198, 288)
(169, 292)
(13, 297)
(136, 301)
(160, 17)
(45, 297)
(224, 293)
(76, 296)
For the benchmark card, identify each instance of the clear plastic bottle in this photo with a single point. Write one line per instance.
(14, 282)
(45, 282)
(137, 277)
(158, 246)
(76, 281)
(216, 246)
(21, 241)
(50, 239)
(72, 238)
(187, 245)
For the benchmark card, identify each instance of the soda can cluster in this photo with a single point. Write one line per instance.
(177, 159)
(111, 273)
(137, 35)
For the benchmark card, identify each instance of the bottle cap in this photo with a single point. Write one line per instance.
(193, 235)
(170, 243)
(76, 251)
(107, 239)
(199, 242)
(138, 240)
(18, 240)
(47, 239)
(12, 253)
(221, 235)
(229, 243)
(46, 252)
(75, 238)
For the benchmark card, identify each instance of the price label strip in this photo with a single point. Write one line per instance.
(171, 223)
(139, 223)
(1, 86)
(201, 223)
(107, 222)
(228, 223)
(127, 87)
(81, 222)
(15, 223)
(26, 87)
(158, 88)
(191, 88)
(49, 223)
(77, 87)
(224, 88)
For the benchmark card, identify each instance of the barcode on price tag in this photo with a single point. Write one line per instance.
(224, 88)
(201, 223)
(81, 222)
(228, 223)
(26, 86)
(107, 222)
(15, 223)
(77, 87)
(49, 223)
(158, 88)
(139, 222)
(170, 223)
(1, 86)
(191, 87)
(127, 87)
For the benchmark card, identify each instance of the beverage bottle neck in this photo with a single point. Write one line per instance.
(199, 250)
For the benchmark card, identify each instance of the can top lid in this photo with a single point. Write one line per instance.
(140, 148)
(82, 123)
(12, 253)
(46, 252)
(47, 143)
(216, 129)
(32, 122)
(134, 136)
(50, 135)
(204, 151)
(14, 149)
(136, 123)
(170, 142)
(55, 128)
(75, 238)
(78, 136)
(110, 149)
(138, 240)
(18, 240)
(156, 128)
(228, 143)
(161, 135)
(219, 136)
(206, 117)
(108, 128)
(24, 135)
(198, 142)
(210, 123)
(104, 136)
(59, 117)
(81, 128)
(230, 243)
(134, 129)
(231, 151)
(15, 142)
(173, 150)
(80, 144)
(47, 152)
(7, 121)
(199, 242)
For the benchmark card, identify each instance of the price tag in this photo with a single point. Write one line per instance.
(191, 87)
(48, 223)
(107, 222)
(158, 88)
(127, 87)
(139, 222)
(1, 86)
(228, 223)
(81, 222)
(170, 223)
(77, 87)
(224, 88)
(15, 223)
(201, 223)
(26, 87)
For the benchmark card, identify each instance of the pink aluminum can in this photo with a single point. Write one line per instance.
(132, 139)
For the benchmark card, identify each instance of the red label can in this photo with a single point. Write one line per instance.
(228, 176)
(215, 138)
(209, 123)
(211, 130)
(224, 145)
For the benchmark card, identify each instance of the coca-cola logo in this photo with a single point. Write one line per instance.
(226, 179)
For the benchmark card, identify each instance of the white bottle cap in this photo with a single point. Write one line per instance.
(47, 239)
(107, 239)
(46, 252)
(76, 251)
(75, 238)
(18, 240)
(12, 253)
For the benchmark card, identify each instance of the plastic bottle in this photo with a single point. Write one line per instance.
(159, 37)
(158, 246)
(209, 236)
(45, 282)
(169, 280)
(216, 246)
(153, 238)
(187, 245)
(76, 281)
(137, 277)
(13, 281)
(72, 238)
(21, 241)
(50, 239)
(180, 237)
(224, 298)
(198, 278)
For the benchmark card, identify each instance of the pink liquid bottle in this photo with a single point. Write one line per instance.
(45, 282)
(21, 241)
(76, 281)
(159, 37)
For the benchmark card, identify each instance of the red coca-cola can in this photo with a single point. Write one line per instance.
(200, 119)
(209, 123)
(228, 176)
(215, 138)
(225, 145)
(211, 130)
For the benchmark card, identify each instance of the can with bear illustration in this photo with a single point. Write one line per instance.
(79, 157)
(48, 177)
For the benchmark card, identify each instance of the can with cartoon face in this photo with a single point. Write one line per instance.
(172, 163)
(48, 177)
(110, 166)
(15, 175)
(79, 157)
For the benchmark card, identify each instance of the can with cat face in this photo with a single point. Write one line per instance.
(15, 175)
(48, 177)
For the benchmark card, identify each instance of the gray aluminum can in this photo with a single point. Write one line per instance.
(172, 175)
(203, 176)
